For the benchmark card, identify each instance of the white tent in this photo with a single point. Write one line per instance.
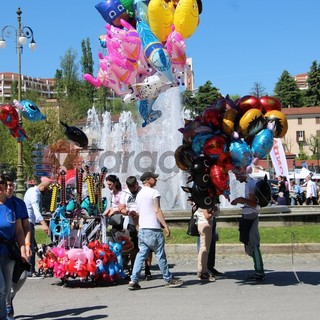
(302, 174)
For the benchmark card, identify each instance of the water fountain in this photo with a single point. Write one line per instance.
(129, 149)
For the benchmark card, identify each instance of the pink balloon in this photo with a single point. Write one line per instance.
(88, 253)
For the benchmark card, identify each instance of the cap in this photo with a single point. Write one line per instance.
(148, 175)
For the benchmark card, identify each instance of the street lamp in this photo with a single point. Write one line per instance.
(22, 34)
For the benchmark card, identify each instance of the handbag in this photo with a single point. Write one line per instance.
(116, 220)
(193, 227)
(14, 250)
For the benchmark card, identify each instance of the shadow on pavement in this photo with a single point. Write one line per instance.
(277, 278)
(66, 313)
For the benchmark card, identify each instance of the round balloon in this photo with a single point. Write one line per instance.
(248, 102)
(270, 103)
(220, 178)
(212, 117)
(279, 119)
(251, 122)
(214, 146)
(228, 121)
(262, 143)
(240, 153)
(198, 142)
(184, 157)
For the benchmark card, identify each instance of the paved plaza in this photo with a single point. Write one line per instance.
(290, 291)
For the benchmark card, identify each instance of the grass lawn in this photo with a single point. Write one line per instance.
(304, 234)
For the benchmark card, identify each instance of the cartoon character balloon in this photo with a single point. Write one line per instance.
(29, 110)
(160, 14)
(112, 11)
(186, 17)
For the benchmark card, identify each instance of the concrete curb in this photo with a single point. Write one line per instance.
(186, 250)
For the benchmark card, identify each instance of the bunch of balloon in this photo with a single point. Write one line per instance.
(229, 135)
(9, 116)
(146, 51)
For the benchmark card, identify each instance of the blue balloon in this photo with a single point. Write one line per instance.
(262, 143)
(111, 10)
(198, 142)
(31, 111)
(240, 153)
(154, 50)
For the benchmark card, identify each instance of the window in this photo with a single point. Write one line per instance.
(300, 136)
(299, 120)
(317, 120)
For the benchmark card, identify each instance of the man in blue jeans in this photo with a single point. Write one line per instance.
(150, 236)
(32, 199)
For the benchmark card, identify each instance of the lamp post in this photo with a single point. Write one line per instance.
(22, 33)
(317, 145)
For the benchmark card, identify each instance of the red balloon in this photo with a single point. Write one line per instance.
(215, 146)
(9, 116)
(212, 117)
(270, 103)
(246, 103)
(219, 177)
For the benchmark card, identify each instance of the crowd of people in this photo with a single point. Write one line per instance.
(139, 206)
(291, 193)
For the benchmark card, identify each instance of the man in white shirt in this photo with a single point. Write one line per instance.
(32, 199)
(312, 191)
(151, 222)
(249, 224)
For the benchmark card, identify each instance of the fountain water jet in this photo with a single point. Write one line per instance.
(129, 149)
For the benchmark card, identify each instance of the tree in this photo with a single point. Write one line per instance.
(313, 144)
(258, 90)
(87, 67)
(204, 97)
(287, 91)
(73, 97)
(69, 72)
(312, 95)
(8, 149)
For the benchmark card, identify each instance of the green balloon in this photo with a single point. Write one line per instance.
(128, 5)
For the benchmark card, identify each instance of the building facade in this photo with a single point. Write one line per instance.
(303, 127)
(45, 86)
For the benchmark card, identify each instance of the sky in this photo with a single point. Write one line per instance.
(237, 42)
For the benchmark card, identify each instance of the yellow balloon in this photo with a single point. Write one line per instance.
(160, 14)
(186, 17)
(229, 118)
(280, 122)
(251, 122)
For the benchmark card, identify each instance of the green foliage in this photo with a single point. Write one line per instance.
(86, 62)
(205, 96)
(287, 91)
(8, 150)
(312, 95)
(302, 155)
